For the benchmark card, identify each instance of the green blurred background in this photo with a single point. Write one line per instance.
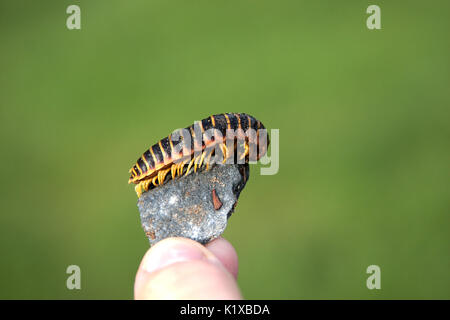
(364, 140)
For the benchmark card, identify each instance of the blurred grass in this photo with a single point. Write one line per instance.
(364, 130)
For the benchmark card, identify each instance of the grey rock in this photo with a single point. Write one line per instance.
(196, 206)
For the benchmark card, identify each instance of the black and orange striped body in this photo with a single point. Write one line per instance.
(167, 156)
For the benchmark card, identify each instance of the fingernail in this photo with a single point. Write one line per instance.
(170, 252)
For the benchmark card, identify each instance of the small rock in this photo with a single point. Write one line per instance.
(196, 206)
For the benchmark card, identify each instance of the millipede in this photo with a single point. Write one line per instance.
(176, 155)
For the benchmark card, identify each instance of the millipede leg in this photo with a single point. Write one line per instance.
(207, 162)
(201, 159)
(160, 181)
(246, 148)
(181, 166)
(196, 163)
(189, 167)
(164, 174)
(178, 168)
(154, 181)
(224, 149)
(173, 170)
(145, 184)
(138, 189)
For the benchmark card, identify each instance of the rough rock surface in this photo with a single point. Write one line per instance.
(196, 206)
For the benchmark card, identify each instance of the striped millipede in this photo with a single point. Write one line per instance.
(180, 154)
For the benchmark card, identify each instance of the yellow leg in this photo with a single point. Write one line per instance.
(160, 177)
(178, 167)
(246, 148)
(145, 185)
(154, 181)
(189, 167)
(181, 166)
(173, 170)
(224, 152)
(208, 159)
(202, 158)
(196, 164)
(138, 189)
(164, 174)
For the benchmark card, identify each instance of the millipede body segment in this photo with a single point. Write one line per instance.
(229, 137)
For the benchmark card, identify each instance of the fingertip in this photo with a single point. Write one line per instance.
(179, 268)
(224, 251)
(165, 253)
(190, 280)
(172, 250)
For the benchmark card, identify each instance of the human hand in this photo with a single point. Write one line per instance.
(180, 268)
